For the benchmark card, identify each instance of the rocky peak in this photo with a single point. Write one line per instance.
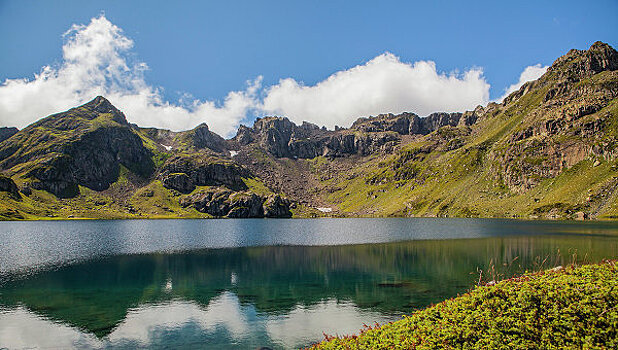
(68, 149)
(281, 137)
(204, 138)
(578, 64)
(309, 126)
(100, 105)
(281, 124)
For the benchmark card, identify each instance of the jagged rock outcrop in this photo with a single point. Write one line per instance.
(282, 138)
(411, 124)
(82, 146)
(180, 182)
(183, 173)
(403, 124)
(6, 132)
(225, 203)
(202, 138)
(276, 206)
(9, 186)
(559, 133)
(578, 64)
(363, 144)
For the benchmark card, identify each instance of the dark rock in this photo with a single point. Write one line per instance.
(403, 124)
(8, 185)
(26, 189)
(224, 203)
(202, 137)
(435, 121)
(360, 143)
(67, 149)
(205, 171)
(180, 182)
(244, 136)
(277, 207)
(5, 133)
(245, 205)
(578, 64)
(305, 149)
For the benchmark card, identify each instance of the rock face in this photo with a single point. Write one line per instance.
(276, 206)
(411, 124)
(82, 146)
(584, 63)
(225, 203)
(403, 124)
(180, 182)
(7, 185)
(183, 173)
(560, 133)
(5, 133)
(284, 139)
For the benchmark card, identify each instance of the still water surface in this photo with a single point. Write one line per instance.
(252, 283)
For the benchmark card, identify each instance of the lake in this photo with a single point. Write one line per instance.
(248, 283)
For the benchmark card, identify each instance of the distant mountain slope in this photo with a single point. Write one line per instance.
(547, 151)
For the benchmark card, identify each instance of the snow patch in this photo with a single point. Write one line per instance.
(325, 210)
(169, 148)
(233, 153)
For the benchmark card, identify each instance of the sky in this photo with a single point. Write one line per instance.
(177, 64)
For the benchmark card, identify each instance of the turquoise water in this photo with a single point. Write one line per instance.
(252, 283)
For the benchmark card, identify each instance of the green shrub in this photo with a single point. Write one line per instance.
(574, 308)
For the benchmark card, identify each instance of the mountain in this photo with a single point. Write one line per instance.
(547, 151)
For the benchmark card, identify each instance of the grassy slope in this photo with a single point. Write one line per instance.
(465, 181)
(573, 308)
(423, 178)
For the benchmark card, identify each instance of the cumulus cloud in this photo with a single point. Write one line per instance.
(530, 73)
(384, 84)
(95, 62)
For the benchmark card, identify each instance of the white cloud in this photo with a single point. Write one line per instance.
(95, 63)
(384, 84)
(147, 325)
(530, 73)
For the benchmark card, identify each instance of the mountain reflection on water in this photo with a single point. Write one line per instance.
(277, 296)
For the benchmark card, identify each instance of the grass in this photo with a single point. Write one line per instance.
(572, 308)
(477, 171)
(424, 178)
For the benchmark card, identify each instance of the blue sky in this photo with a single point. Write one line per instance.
(205, 50)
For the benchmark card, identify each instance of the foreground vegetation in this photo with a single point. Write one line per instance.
(576, 307)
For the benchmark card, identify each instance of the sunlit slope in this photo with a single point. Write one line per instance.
(548, 151)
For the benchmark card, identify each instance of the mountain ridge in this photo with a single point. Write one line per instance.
(547, 151)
